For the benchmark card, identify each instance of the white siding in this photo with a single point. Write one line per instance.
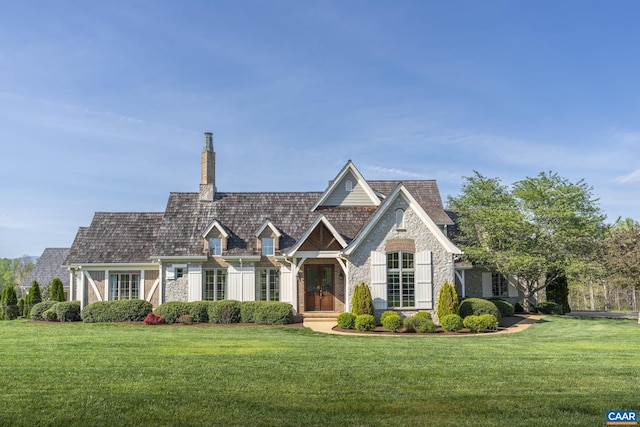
(424, 280)
(379, 280)
(356, 197)
(195, 282)
(287, 289)
(241, 283)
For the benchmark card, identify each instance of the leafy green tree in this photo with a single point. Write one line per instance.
(447, 301)
(362, 301)
(34, 296)
(57, 290)
(537, 229)
(9, 302)
(558, 290)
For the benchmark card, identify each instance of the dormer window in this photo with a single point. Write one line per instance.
(348, 186)
(400, 219)
(215, 246)
(268, 248)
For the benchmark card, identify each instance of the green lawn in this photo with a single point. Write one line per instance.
(560, 372)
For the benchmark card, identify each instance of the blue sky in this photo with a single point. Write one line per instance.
(103, 105)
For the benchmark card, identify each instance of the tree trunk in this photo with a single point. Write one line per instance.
(606, 297)
(591, 296)
(526, 291)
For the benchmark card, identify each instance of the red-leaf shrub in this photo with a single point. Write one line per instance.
(153, 319)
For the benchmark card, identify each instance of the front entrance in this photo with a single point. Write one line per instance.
(319, 292)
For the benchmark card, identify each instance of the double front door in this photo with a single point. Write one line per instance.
(319, 288)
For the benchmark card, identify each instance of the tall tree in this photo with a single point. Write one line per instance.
(532, 232)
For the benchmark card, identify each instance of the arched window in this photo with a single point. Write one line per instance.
(348, 186)
(400, 219)
(401, 289)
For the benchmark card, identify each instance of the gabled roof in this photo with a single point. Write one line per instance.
(215, 224)
(320, 219)
(49, 266)
(360, 183)
(116, 238)
(268, 224)
(401, 191)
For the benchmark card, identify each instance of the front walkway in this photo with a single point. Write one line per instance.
(326, 326)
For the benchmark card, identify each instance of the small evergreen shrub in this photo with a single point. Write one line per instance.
(346, 320)
(153, 319)
(224, 311)
(505, 307)
(423, 315)
(39, 308)
(186, 319)
(478, 306)
(9, 304)
(425, 326)
(550, 307)
(392, 322)
(172, 310)
(273, 313)
(518, 308)
(21, 306)
(387, 313)
(489, 322)
(50, 315)
(56, 292)
(473, 323)
(451, 323)
(68, 311)
(361, 301)
(248, 310)
(409, 323)
(34, 296)
(365, 322)
(447, 300)
(199, 310)
(134, 310)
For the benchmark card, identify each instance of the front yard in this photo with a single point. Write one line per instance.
(561, 371)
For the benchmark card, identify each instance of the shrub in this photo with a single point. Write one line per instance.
(273, 313)
(41, 307)
(473, 323)
(248, 310)
(9, 304)
(172, 310)
(186, 319)
(49, 315)
(387, 313)
(134, 310)
(518, 308)
(478, 306)
(489, 322)
(21, 306)
(68, 311)
(56, 293)
(423, 315)
(447, 301)
(550, 307)
(346, 320)
(365, 322)
(153, 319)
(505, 307)
(200, 311)
(557, 289)
(392, 322)
(425, 326)
(34, 296)
(362, 302)
(451, 323)
(224, 311)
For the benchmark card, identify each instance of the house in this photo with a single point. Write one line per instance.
(48, 267)
(309, 249)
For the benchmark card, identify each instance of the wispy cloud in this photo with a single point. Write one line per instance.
(395, 171)
(628, 178)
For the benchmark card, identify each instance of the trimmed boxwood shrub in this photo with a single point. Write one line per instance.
(518, 308)
(172, 310)
(224, 311)
(392, 322)
(489, 322)
(550, 307)
(365, 322)
(199, 310)
(133, 310)
(68, 311)
(451, 323)
(185, 319)
(423, 315)
(248, 310)
(274, 313)
(41, 307)
(346, 320)
(473, 323)
(387, 313)
(478, 306)
(425, 326)
(505, 307)
(49, 315)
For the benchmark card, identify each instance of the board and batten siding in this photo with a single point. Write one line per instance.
(287, 285)
(194, 272)
(241, 283)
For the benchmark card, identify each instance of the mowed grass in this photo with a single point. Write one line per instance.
(559, 372)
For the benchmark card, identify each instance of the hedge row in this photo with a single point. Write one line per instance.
(133, 310)
(228, 311)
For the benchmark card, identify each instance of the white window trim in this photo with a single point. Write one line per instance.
(268, 283)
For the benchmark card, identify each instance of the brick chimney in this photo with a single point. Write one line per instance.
(208, 169)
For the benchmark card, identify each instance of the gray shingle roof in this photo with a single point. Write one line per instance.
(49, 266)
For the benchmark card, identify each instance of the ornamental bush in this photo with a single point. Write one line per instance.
(68, 311)
(550, 307)
(365, 322)
(248, 310)
(34, 296)
(505, 307)
(423, 315)
(185, 319)
(56, 293)
(346, 320)
(172, 310)
(273, 313)
(385, 314)
(362, 302)
(451, 323)
(9, 304)
(153, 319)
(134, 310)
(392, 322)
(478, 306)
(199, 310)
(473, 323)
(425, 326)
(224, 311)
(489, 322)
(39, 308)
(447, 301)
(49, 315)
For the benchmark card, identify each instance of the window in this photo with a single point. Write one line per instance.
(215, 284)
(267, 246)
(399, 219)
(499, 285)
(267, 284)
(215, 246)
(348, 186)
(124, 286)
(179, 272)
(401, 290)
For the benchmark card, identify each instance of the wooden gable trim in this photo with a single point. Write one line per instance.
(320, 220)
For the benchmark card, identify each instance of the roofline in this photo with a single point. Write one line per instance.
(85, 266)
(350, 166)
(319, 219)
